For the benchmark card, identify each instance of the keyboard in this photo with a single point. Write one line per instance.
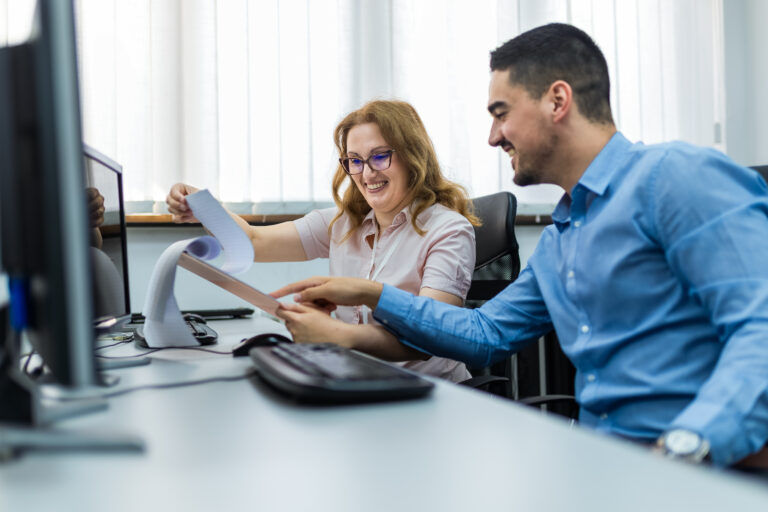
(324, 372)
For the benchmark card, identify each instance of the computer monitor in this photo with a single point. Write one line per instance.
(43, 214)
(109, 256)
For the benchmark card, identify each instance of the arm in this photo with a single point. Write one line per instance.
(279, 242)
(310, 325)
(446, 272)
(478, 337)
(711, 217)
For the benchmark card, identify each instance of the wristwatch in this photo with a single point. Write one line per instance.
(684, 444)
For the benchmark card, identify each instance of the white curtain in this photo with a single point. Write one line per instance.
(241, 96)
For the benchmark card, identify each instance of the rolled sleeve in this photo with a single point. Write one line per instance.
(714, 248)
(451, 259)
(313, 232)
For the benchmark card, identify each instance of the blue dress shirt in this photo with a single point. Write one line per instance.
(654, 276)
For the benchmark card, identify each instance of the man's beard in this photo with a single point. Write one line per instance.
(534, 165)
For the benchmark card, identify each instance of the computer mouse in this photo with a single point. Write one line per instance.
(260, 340)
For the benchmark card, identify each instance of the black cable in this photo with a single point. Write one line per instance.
(164, 348)
(150, 351)
(121, 342)
(25, 369)
(169, 385)
(201, 349)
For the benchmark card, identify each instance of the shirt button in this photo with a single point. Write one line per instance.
(577, 223)
(570, 273)
(591, 377)
(603, 416)
(585, 329)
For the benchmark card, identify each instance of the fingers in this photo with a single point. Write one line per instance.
(307, 307)
(314, 294)
(298, 286)
(177, 203)
(95, 206)
(295, 308)
(286, 313)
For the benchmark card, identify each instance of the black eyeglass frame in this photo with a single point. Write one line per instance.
(345, 162)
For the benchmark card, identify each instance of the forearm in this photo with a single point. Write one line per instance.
(376, 341)
(731, 408)
(278, 242)
(477, 337)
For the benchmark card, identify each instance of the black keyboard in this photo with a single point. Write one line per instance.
(325, 372)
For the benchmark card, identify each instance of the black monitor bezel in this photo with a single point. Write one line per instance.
(94, 154)
(52, 291)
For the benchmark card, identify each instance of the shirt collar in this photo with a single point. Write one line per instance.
(597, 176)
(368, 226)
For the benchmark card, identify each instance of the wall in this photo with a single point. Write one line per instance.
(145, 245)
(746, 68)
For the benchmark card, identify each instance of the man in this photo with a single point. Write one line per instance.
(653, 273)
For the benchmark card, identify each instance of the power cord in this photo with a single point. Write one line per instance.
(150, 351)
(25, 368)
(251, 373)
(153, 350)
(121, 342)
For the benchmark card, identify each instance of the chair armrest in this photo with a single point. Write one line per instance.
(546, 399)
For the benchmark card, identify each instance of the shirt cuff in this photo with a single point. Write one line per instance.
(394, 306)
(392, 312)
(728, 443)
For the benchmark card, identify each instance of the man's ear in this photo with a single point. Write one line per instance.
(560, 95)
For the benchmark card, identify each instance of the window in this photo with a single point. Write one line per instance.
(242, 96)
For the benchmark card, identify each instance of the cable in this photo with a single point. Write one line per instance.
(25, 369)
(201, 349)
(169, 385)
(121, 342)
(150, 351)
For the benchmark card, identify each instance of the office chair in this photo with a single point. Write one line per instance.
(762, 170)
(497, 264)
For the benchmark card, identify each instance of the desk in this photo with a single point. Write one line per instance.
(239, 446)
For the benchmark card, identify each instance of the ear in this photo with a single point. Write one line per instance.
(560, 97)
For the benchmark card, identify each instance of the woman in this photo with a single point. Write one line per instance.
(399, 221)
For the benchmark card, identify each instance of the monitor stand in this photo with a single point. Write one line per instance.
(26, 418)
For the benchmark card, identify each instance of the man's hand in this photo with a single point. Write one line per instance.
(329, 292)
(177, 203)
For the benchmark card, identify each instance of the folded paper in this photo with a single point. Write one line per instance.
(164, 325)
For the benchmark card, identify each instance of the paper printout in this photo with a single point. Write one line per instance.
(164, 325)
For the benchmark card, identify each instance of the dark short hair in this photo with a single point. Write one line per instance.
(540, 56)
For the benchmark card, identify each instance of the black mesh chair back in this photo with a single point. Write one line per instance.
(497, 265)
(497, 261)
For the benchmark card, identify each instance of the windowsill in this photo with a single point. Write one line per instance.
(164, 219)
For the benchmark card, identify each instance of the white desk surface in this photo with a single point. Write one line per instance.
(240, 446)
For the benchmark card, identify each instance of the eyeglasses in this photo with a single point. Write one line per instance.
(379, 161)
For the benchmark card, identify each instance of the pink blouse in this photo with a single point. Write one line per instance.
(443, 259)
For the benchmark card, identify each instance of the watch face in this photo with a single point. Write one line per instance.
(682, 442)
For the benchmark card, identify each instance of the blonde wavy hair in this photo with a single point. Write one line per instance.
(402, 128)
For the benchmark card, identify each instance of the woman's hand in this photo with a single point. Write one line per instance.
(308, 324)
(177, 203)
(329, 292)
(95, 206)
